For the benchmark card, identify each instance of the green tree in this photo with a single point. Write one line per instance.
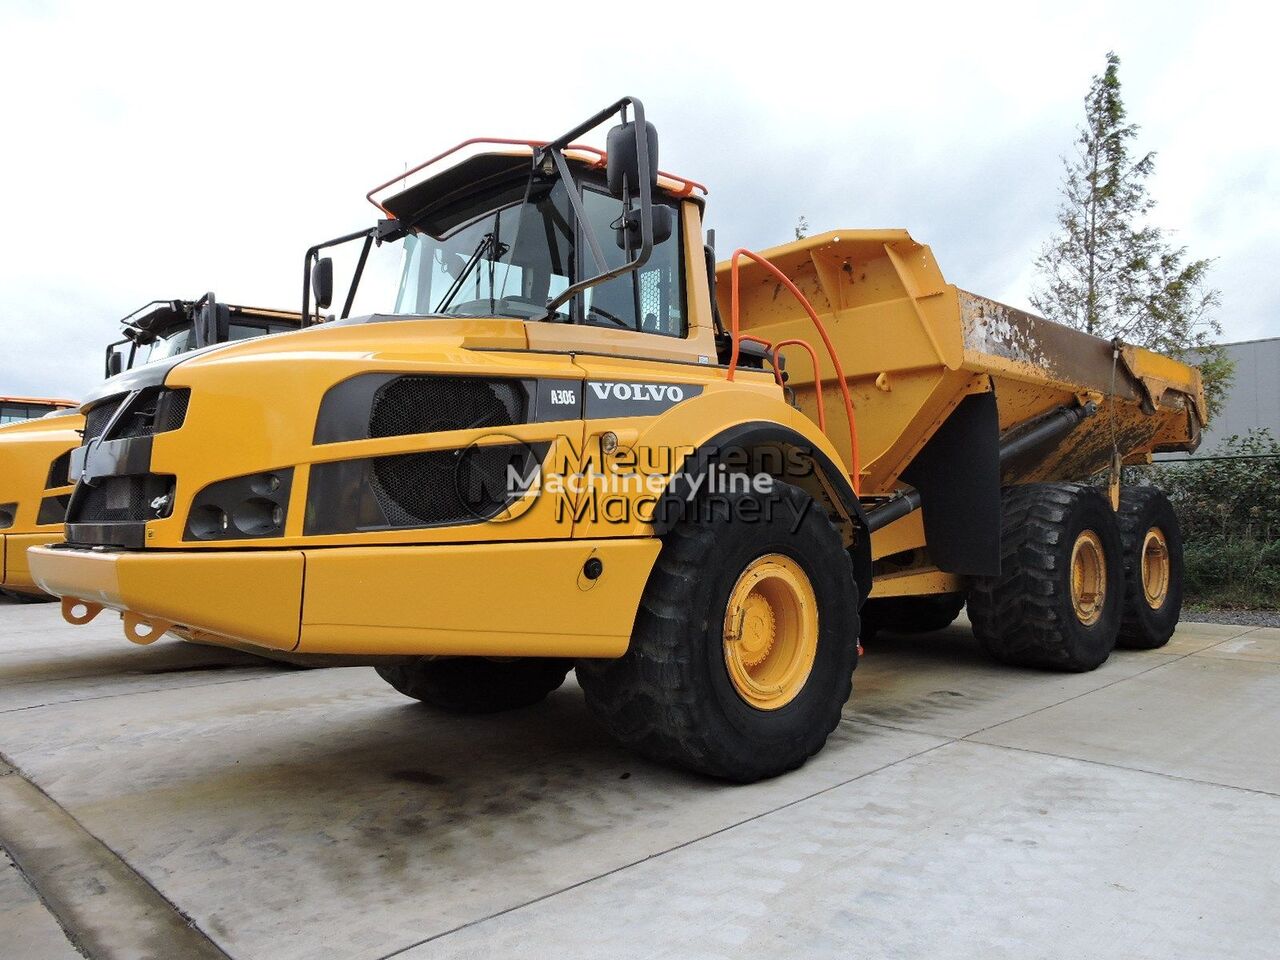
(1109, 271)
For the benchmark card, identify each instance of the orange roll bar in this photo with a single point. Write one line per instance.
(734, 319)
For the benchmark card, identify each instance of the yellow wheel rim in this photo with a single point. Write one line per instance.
(1155, 568)
(771, 631)
(1088, 577)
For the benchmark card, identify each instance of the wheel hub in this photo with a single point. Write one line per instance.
(1155, 568)
(1088, 577)
(770, 631)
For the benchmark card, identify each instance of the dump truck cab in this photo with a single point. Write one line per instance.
(20, 409)
(35, 455)
(576, 442)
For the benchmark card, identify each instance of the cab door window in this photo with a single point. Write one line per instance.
(648, 300)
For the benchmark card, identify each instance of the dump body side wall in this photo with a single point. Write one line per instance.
(912, 347)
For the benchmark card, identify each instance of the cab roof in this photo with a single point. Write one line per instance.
(43, 400)
(489, 170)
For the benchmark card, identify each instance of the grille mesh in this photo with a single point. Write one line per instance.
(96, 420)
(448, 486)
(410, 405)
(155, 411)
(651, 299)
(120, 499)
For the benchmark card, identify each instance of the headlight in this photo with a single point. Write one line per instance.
(241, 508)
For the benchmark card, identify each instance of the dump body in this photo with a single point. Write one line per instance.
(913, 347)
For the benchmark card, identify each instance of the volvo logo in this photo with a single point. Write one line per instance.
(643, 392)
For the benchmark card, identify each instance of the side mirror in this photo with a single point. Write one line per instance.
(623, 146)
(627, 234)
(212, 322)
(115, 363)
(322, 283)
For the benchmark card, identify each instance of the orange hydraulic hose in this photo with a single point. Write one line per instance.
(734, 318)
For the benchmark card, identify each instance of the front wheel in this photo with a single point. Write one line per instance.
(744, 644)
(477, 684)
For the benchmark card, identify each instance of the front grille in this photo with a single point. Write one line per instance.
(96, 420)
(154, 410)
(449, 486)
(59, 471)
(122, 499)
(425, 404)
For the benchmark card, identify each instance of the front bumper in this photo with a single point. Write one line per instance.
(496, 599)
(14, 572)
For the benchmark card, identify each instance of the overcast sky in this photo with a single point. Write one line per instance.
(151, 151)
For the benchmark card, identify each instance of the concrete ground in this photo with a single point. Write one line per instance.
(172, 800)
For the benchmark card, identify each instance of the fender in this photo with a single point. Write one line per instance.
(754, 434)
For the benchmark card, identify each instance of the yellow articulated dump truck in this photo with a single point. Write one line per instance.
(35, 454)
(578, 442)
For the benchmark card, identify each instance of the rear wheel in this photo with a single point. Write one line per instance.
(744, 644)
(1152, 543)
(478, 684)
(911, 614)
(1057, 601)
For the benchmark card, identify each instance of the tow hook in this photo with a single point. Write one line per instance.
(144, 630)
(79, 612)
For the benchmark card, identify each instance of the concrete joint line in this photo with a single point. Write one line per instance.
(105, 907)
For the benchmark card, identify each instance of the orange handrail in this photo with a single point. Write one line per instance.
(817, 374)
(734, 319)
(777, 369)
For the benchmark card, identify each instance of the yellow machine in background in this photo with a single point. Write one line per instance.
(35, 454)
(22, 409)
(575, 441)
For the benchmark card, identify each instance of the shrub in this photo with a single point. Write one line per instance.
(1229, 511)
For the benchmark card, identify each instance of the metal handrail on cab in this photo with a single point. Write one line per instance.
(855, 459)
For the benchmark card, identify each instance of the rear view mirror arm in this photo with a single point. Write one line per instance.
(355, 278)
(579, 211)
(313, 254)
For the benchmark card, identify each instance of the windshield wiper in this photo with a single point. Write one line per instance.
(490, 244)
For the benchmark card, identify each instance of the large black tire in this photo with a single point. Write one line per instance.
(924, 614)
(478, 684)
(1144, 510)
(671, 698)
(1025, 616)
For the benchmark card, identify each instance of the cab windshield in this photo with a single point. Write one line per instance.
(15, 411)
(511, 262)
